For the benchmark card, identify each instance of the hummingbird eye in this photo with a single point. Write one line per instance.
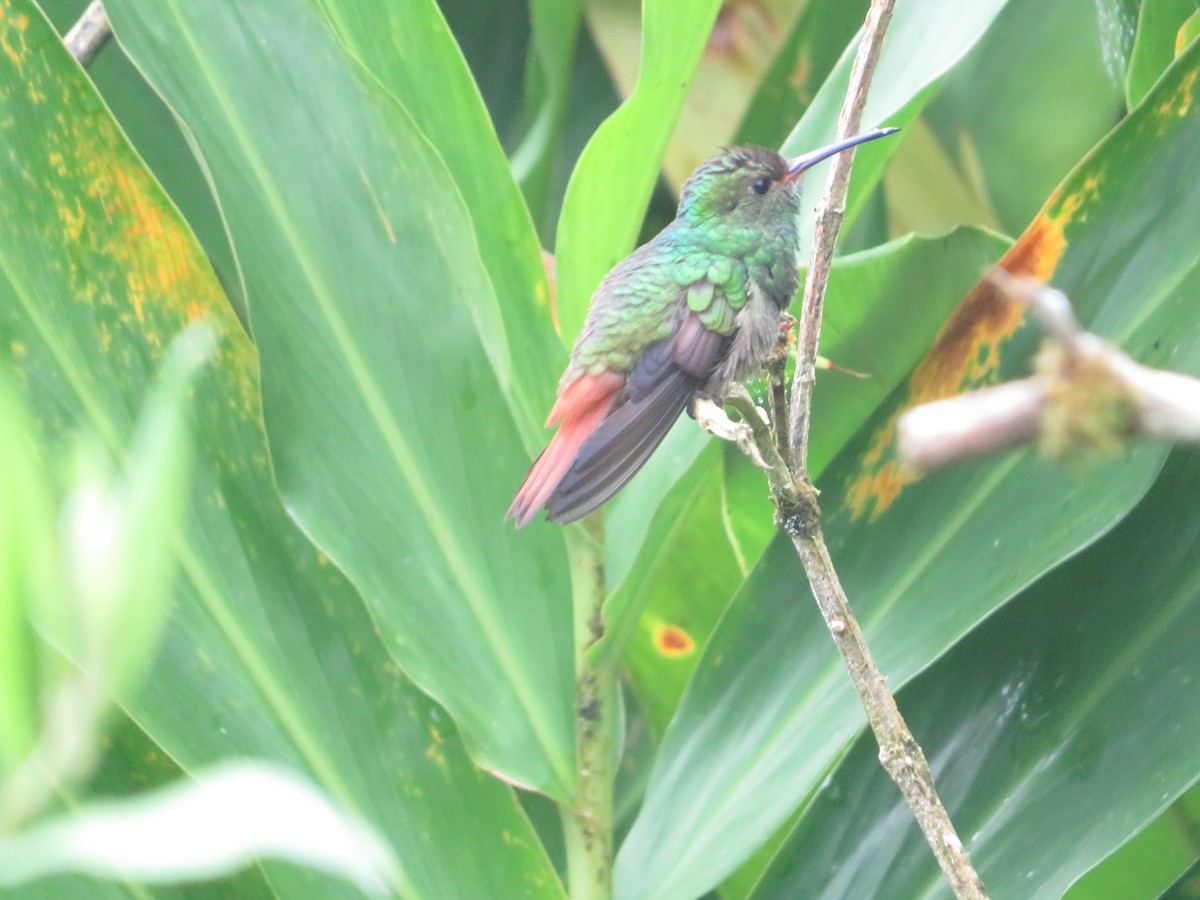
(761, 186)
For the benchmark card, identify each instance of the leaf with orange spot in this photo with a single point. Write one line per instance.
(268, 652)
(769, 710)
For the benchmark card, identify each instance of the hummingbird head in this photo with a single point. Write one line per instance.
(741, 186)
(753, 186)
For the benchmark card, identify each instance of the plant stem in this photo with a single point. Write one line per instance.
(587, 829)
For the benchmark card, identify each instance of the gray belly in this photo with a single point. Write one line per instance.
(757, 325)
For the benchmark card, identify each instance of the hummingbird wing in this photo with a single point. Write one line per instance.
(660, 325)
(665, 378)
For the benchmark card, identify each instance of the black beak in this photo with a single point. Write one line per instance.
(798, 164)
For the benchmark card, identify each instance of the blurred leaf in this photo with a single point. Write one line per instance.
(1029, 100)
(379, 333)
(555, 27)
(27, 577)
(926, 191)
(669, 601)
(769, 707)
(815, 43)
(1186, 886)
(1150, 860)
(913, 60)
(409, 49)
(120, 534)
(1188, 32)
(1159, 23)
(269, 651)
(615, 174)
(230, 815)
(494, 38)
(1056, 730)
(746, 37)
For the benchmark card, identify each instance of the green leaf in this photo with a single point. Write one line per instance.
(383, 356)
(913, 60)
(769, 708)
(408, 47)
(269, 652)
(230, 815)
(154, 132)
(611, 185)
(1056, 730)
(810, 51)
(883, 308)
(1159, 23)
(1029, 100)
(28, 566)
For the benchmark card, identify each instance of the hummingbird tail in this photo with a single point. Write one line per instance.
(619, 447)
(581, 408)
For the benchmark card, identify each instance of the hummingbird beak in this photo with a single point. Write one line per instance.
(799, 164)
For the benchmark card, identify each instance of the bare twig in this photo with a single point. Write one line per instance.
(1086, 396)
(830, 213)
(88, 36)
(799, 515)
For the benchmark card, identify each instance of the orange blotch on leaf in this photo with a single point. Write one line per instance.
(673, 641)
(966, 353)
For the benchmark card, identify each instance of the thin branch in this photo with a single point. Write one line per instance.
(830, 213)
(799, 515)
(88, 36)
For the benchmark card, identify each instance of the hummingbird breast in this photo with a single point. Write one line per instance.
(756, 326)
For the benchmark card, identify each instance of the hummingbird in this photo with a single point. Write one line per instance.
(684, 316)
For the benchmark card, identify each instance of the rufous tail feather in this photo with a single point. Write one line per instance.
(580, 408)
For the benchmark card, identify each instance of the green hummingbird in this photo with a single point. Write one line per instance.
(685, 315)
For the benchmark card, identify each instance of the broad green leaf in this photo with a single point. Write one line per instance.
(692, 570)
(615, 174)
(269, 652)
(914, 58)
(408, 47)
(1159, 22)
(382, 356)
(1056, 730)
(230, 815)
(1188, 32)
(1031, 98)
(769, 707)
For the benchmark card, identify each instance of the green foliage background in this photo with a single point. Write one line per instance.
(356, 194)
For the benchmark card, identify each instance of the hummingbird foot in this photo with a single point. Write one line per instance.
(711, 416)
